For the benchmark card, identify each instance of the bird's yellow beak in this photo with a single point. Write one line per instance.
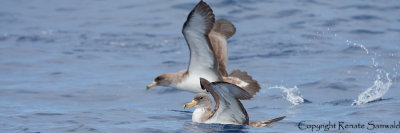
(191, 104)
(151, 85)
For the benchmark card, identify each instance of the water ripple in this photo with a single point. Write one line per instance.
(365, 31)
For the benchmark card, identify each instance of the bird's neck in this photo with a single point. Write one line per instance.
(201, 114)
(177, 77)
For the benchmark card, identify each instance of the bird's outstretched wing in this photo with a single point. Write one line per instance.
(228, 109)
(220, 33)
(196, 29)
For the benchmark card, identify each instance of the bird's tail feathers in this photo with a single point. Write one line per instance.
(265, 122)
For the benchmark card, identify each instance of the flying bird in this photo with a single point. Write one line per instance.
(207, 42)
(228, 109)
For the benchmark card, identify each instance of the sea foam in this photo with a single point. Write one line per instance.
(293, 95)
(375, 92)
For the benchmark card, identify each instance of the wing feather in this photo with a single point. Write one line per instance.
(228, 109)
(195, 30)
(220, 33)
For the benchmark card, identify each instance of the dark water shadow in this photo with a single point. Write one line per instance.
(365, 17)
(34, 38)
(327, 85)
(169, 117)
(342, 102)
(286, 13)
(48, 114)
(268, 55)
(380, 100)
(376, 101)
(82, 128)
(211, 128)
(306, 101)
(181, 111)
(168, 91)
(365, 31)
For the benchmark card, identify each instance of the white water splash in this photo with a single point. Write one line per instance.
(375, 92)
(358, 45)
(292, 94)
(380, 86)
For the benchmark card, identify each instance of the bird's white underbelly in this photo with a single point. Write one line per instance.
(198, 115)
(192, 82)
(222, 121)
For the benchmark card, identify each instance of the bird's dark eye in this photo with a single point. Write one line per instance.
(158, 78)
(201, 97)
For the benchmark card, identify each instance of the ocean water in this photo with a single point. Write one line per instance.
(82, 66)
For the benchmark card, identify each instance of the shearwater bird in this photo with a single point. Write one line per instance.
(207, 42)
(228, 109)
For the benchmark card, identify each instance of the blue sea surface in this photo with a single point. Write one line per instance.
(83, 65)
